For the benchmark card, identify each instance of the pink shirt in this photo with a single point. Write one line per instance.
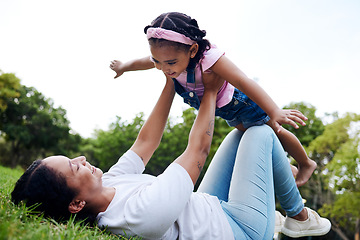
(210, 58)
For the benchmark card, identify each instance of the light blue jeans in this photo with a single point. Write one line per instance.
(244, 174)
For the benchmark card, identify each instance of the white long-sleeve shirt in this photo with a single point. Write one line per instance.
(162, 207)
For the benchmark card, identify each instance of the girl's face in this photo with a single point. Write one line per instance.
(172, 60)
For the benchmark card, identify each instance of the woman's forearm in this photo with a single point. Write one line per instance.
(202, 131)
(194, 157)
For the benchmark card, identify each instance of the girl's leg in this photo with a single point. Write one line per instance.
(251, 200)
(217, 178)
(292, 145)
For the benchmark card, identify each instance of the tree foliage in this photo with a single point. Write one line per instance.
(9, 86)
(339, 148)
(109, 145)
(32, 127)
(334, 186)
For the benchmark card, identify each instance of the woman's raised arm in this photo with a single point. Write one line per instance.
(197, 150)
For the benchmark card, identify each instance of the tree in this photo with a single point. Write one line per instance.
(9, 86)
(33, 126)
(109, 145)
(339, 147)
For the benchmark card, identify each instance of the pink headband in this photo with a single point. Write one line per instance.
(162, 33)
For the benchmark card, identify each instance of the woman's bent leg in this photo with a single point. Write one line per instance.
(251, 201)
(284, 183)
(251, 197)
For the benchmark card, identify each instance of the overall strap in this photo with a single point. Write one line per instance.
(191, 72)
(190, 98)
(178, 88)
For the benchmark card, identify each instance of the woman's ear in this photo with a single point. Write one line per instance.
(194, 49)
(76, 206)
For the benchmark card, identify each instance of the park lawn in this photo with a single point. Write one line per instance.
(17, 223)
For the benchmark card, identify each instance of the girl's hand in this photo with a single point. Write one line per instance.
(117, 66)
(287, 116)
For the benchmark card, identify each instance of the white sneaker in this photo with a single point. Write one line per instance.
(313, 226)
(279, 221)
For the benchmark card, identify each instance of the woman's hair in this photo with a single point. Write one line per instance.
(181, 23)
(45, 190)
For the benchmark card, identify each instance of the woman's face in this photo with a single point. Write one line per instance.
(170, 59)
(80, 175)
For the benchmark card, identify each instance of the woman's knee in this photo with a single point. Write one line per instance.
(263, 130)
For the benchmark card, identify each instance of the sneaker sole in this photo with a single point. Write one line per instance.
(317, 232)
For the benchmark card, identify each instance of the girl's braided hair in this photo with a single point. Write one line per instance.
(181, 23)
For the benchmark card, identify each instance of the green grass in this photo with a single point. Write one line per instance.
(17, 223)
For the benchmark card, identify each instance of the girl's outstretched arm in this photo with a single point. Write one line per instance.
(151, 132)
(231, 73)
(132, 65)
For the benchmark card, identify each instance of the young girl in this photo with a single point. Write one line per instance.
(179, 49)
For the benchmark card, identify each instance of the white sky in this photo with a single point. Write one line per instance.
(299, 50)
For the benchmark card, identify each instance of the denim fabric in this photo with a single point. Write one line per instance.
(190, 77)
(190, 98)
(244, 175)
(241, 109)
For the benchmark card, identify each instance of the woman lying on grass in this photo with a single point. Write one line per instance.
(234, 201)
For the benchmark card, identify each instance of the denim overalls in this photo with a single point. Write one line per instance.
(241, 109)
